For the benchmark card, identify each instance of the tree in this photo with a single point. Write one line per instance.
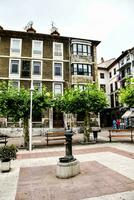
(16, 104)
(126, 95)
(76, 101)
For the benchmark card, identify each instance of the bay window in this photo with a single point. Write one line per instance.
(82, 69)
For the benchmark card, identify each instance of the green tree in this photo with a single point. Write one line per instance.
(16, 104)
(126, 95)
(76, 101)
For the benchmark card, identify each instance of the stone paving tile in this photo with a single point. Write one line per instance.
(76, 151)
(95, 180)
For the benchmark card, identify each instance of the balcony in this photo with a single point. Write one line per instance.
(125, 65)
(76, 79)
(81, 59)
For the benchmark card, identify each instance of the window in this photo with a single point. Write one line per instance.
(37, 48)
(57, 69)
(37, 85)
(102, 75)
(15, 48)
(81, 69)
(111, 87)
(112, 100)
(58, 50)
(114, 71)
(123, 73)
(81, 87)
(57, 89)
(14, 67)
(122, 62)
(25, 69)
(36, 68)
(128, 71)
(81, 49)
(116, 100)
(128, 57)
(103, 87)
(110, 75)
(15, 84)
(116, 86)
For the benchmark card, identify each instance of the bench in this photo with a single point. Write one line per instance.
(3, 139)
(121, 133)
(55, 135)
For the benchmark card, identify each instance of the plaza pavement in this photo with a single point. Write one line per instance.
(107, 173)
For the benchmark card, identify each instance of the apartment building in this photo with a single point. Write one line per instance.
(52, 60)
(112, 76)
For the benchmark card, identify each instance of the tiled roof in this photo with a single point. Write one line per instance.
(106, 63)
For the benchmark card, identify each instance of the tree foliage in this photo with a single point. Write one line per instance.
(16, 104)
(75, 101)
(126, 95)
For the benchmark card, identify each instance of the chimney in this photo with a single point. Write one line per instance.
(102, 59)
(54, 30)
(29, 27)
(1, 28)
(31, 30)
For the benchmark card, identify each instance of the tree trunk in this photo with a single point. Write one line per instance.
(26, 133)
(87, 127)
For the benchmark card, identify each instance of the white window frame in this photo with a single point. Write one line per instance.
(36, 76)
(17, 81)
(57, 77)
(14, 75)
(37, 81)
(17, 54)
(57, 57)
(34, 55)
(57, 83)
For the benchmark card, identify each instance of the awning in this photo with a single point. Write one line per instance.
(128, 114)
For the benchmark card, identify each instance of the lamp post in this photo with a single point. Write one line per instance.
(30, 121)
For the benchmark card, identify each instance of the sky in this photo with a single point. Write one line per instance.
(109, 21)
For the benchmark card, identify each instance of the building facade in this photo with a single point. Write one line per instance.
(52, 60)
(113, 74)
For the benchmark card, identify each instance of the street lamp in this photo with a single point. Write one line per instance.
(30, 121)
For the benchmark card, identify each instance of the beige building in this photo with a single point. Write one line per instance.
(47, 59)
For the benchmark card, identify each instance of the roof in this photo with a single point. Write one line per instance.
(106, 63)
(128, 114)
(42, 35)
(124, 53)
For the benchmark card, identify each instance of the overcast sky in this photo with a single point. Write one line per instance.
(110, 21)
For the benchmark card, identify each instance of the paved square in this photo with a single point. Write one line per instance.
(95, 180)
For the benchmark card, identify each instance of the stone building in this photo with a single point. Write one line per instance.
(47, 59)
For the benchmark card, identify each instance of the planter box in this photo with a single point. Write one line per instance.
(5, 166)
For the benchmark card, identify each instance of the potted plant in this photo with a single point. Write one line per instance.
(7, 153)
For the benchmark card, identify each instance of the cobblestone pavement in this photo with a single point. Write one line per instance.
(107, 173)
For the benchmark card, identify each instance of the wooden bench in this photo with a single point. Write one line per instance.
(55, 135)
(121, 133)
(3, 139)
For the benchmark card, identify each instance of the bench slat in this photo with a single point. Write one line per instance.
(56, 135)
(120, 133)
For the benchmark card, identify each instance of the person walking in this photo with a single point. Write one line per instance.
(114, 124)
(118, 123)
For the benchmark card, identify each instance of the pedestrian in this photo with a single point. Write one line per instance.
(118, 123)
(114, 124)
